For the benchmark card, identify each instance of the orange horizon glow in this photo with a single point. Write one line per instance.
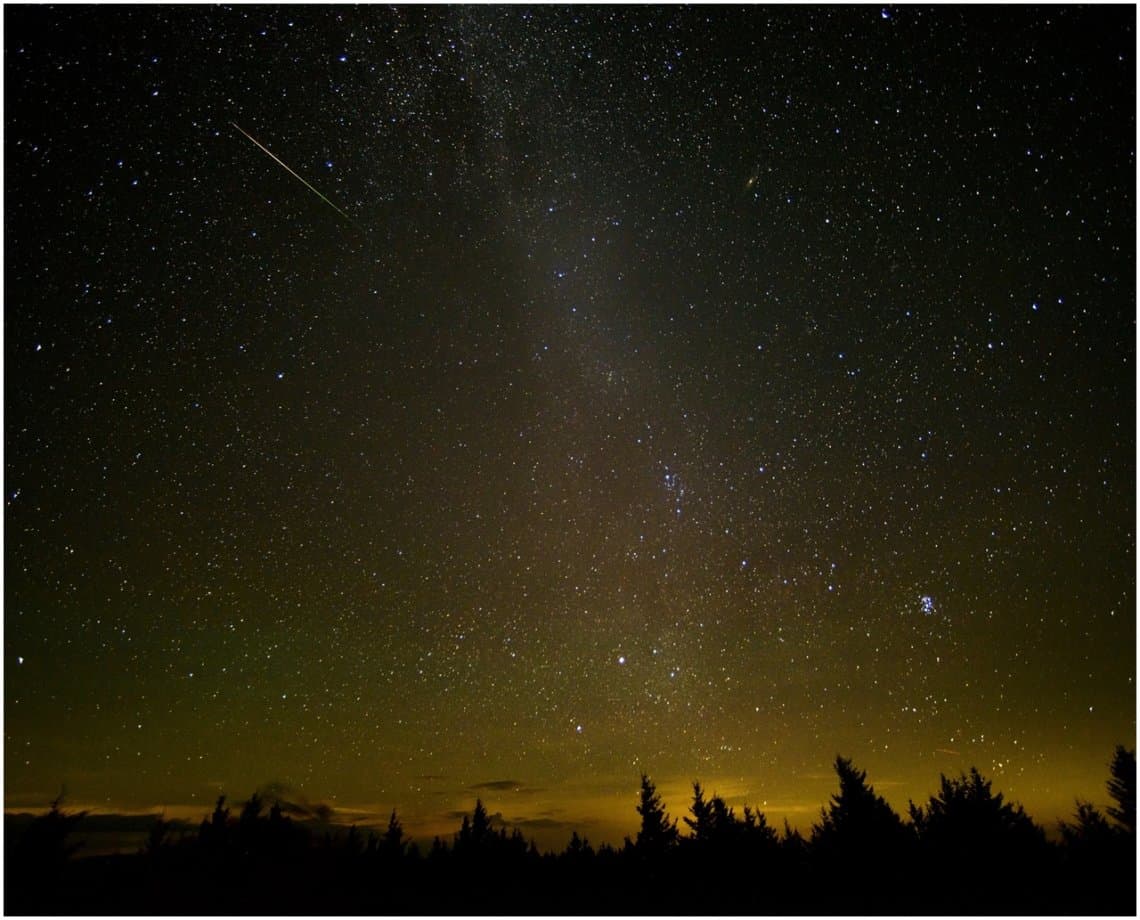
(608, 817)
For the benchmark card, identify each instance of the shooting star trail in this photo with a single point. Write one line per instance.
(301, 179)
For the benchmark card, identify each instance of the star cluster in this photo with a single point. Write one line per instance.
(692, 390)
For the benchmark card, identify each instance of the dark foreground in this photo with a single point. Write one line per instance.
(327, 882)
(965, 852)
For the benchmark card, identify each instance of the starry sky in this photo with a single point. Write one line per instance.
(405, 405)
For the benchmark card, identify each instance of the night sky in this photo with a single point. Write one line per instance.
(580, 392)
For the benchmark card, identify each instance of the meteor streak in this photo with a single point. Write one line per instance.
(291, 172)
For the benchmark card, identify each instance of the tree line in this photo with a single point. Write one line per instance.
(966, 850)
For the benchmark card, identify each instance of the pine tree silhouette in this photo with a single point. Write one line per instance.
(44, 844)
(1089, 833)
(657, 833)
(966, 822)
(249, 827)
(480, 825)
(214, 832)
(966, 817)
(793, 839)
(439, 852)
(724, 823)
(966, 851)
(1122, 788)
(858, 820)
(1102, 854)
(394, 837)
(715, 827)
(251, 811)
(35, 866)
(758, 830)
(861, 846)
(578, 848)
(702, 822)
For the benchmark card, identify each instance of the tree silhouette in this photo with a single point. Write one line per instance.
(966, 822)
(251, 811)
(1099, 857)
(794, 850)
(475, 833)
(702, 822)
(1122, 788)
(966, 816)
(1090, 833)
(480, 825)
(578, 848)
(657, 833)
(857, 821)
(758, 830)
(514, 846)
(966, 851)
(39, 860)
(394, 837)
(716, 828)
(1102, 854)
(439, 852)
(860, 846)
(214, 831)
(249, 830)
(156, 837)
(792, 838)
(724, 823)
(44, 842)
(755, 846)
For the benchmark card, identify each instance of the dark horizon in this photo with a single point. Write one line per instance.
(258, 859)
(121, 833)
